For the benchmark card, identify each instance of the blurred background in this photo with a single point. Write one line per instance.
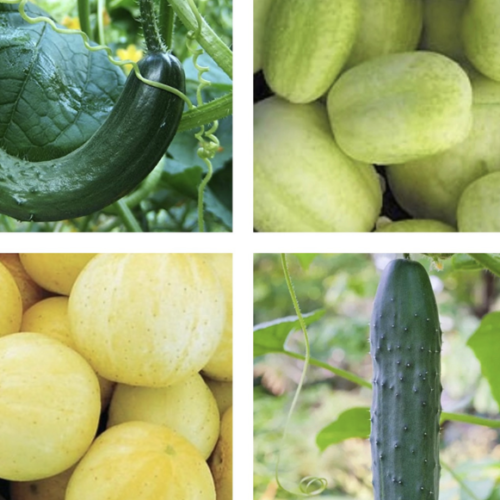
(344, 285)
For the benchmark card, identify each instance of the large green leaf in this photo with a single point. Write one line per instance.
(485, 342)
(352, 423)
(54, 93)
(271, 336)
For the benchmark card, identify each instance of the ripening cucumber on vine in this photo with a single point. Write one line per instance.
(405, 343)
(121, 153)
(75, 137)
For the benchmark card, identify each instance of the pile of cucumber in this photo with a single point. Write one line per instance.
(412, 88)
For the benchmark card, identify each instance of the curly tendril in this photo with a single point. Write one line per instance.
(209, 144)
(310, 485)
(95, 48)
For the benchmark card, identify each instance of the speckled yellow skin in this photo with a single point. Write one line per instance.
(49, 406)
(188, 408)
(220, 365)
(221, 462)
(55, 272)
(260, 14)
(30, 291)
(400, 107)
(50, 317)
(139, 460)
(223, 392)
(431, 187)
(479, 206)
(11, 305)
(386, 26)
(147, 319)
(302, 180)
(306, 44)
(416, 226)
(52, 488)
(480, 28)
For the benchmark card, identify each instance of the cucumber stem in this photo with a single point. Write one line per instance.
(84, 16)
(127, 217)
(166, 23)
(206, 37)
(149, 23)
(488, 262)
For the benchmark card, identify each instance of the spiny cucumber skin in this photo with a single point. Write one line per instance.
(405, 339)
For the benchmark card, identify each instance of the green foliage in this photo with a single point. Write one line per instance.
(272, 336)
(352, 423)
(170, 205)
(486, 346)
(343, 286)
(46, 114)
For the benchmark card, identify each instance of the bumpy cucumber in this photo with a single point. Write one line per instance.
(111, 163)
(405, 343)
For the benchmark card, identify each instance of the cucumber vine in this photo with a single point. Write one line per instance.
(310, 485)
(158, 39)
(208, 148)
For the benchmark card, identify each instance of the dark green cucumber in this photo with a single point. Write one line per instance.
(405, 342)
(111, 163)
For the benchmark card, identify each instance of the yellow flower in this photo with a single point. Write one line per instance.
(131, 53)
(73, 23)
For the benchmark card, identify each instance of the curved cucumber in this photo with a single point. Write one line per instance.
(405, 343)
(111, 163)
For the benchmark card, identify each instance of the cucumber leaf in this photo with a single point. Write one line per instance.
(54, 93)
(271, 336)
(485, 342)
(352, 423)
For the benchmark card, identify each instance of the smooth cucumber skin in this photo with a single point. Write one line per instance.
(400, 107)
(479, 206)
(260, 14)
(306, 45)
(480, 27)
(111, 163)
(386, 26)
(430, 188)
(405, 340)
(303, 182)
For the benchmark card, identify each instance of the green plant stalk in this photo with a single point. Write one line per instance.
(207, 113)
(150, 28)
(309, 481)
(337, 371)
(488, 262)
(166, 23)
(470, 419)
(456, 417)
(147, 186)
(201, 191)
(127, 217)
(207, 38)
(84, 16)
(100, 22)
(82, 223)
